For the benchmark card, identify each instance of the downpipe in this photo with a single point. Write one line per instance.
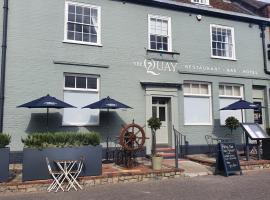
(3, 63)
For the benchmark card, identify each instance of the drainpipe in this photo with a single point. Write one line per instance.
(262, 27)
(3, 63)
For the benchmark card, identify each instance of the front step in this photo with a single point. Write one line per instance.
(166, 152)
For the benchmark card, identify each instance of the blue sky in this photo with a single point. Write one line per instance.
(268, 1)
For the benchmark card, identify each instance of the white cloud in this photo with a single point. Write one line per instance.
(267, 1)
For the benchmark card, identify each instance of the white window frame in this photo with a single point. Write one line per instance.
(201, 2)
(169, 31)
(67, 3)
(209, 95)
(233, 42)
(82, 89)
(232, 97)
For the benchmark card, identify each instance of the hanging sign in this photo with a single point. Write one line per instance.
(227, 160)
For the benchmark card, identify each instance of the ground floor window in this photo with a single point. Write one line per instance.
(228, 94)
(80, 90)
(197, 103)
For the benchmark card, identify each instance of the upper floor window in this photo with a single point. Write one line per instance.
(205, 2)
(82, 24)
(222, 42)
(159, 30)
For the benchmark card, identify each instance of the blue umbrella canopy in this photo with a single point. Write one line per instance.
(241, 104)
(107, 103)
(46, 102)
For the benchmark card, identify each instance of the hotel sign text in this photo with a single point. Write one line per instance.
(155, 68)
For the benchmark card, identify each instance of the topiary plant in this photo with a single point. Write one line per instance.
(155, 124)
(232, 123)
(4, 140)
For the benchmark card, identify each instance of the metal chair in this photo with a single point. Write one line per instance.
(74, 175)
(57, 176)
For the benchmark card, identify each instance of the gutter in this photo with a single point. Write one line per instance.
(200, 9)
(262, 27)
(3, 63)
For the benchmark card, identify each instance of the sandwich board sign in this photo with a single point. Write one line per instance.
(227, 160)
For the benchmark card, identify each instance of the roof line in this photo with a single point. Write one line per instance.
(169, 4)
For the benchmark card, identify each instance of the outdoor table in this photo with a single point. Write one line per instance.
(66, 167)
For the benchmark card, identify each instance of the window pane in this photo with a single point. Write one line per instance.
(78, 28)
(91, 83)
(86, 11)
(71, 17)
(195, 88)
(79, 18)
(70, 35)
(187, 88)
(94, 12)
(78, 10)
(93, 38)
(71, 9)
(86, 19)
(237, 91)
(200, 106)
(224, 114)
(70, 81)
(81, 82)
(154, 111)
(165, 47)
(86, 37)
(152, 38)
(71, 27)
(221, 90)
(93, 30)
(162, 114)
(159, 46)
(78, 116)
(229, 90)
(204, 89)
(78, 36)
(153, 45)
(86, 29)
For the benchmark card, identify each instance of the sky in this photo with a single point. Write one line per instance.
(268, 1)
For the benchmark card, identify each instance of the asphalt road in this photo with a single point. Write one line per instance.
(250, 186)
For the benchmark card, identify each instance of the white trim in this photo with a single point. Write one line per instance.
(67, 3)
(81, 89)
(232, 85)
(233, 42)
(169, 31)
(209, 96)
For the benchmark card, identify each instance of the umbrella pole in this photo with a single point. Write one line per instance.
(47, 119)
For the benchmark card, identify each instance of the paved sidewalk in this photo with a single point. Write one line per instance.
(191, 169)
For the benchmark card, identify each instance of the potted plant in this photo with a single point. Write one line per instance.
(155, 124)
(4, 156)
(232, 123)
(60, 146)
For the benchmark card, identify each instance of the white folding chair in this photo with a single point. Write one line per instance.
(57, 176)
(74, 175)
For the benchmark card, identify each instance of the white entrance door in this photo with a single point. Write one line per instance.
(160, 110)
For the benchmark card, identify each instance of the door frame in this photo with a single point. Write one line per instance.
(164, 92)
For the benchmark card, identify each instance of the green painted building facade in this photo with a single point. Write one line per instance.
(158, 58)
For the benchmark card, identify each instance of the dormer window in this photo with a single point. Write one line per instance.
(203, 2)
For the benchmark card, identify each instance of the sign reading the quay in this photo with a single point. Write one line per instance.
(157, 67)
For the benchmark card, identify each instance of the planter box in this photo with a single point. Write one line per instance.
(35, 167)
(266, 149)
(4, 164)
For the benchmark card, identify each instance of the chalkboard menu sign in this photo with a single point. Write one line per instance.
(227, 159)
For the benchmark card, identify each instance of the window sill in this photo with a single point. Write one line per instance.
(82, 43)
(162, 52)
(223, 58)
(79, 125)
(198, 124)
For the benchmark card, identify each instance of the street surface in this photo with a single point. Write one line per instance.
(251, 186)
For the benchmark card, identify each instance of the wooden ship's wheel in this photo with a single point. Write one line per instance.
(132, 137)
